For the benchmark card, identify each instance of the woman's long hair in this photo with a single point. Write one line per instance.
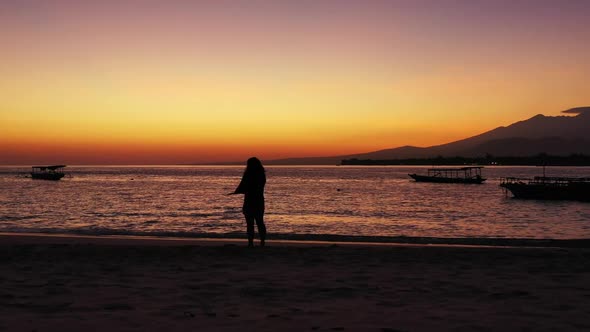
(253, 165)
(254, 168)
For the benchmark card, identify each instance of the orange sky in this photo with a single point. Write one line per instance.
(160, 82)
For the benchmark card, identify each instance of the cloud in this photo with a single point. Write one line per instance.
(578, 110)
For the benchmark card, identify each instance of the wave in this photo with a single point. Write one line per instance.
(19, 218)
(149, 214)
(335, 238)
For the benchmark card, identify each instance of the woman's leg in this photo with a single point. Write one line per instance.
(261, 228)
(250, 229)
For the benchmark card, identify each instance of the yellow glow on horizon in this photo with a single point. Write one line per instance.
(327, 112)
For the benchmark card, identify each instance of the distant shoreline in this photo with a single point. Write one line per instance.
(538, 160)
(457, 161)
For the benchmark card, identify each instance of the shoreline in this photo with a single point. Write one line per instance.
(286, 240)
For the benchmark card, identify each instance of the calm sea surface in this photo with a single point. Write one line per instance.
(345, 200)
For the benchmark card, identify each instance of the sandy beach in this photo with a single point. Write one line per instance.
(68, 283)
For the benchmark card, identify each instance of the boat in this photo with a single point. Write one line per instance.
(53, 172)
(467, 175)
(549, 188)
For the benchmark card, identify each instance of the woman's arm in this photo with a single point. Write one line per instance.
(242, 187)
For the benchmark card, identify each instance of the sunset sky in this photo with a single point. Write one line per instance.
(173, 81)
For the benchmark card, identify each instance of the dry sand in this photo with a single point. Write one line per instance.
(62, 283)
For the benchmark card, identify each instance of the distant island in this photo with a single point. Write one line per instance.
(538, 160)
(563, 140)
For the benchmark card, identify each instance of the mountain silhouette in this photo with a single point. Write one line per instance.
(554, 135)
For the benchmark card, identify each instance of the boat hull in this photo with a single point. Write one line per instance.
(439, 179)
(571, 192)
(47, 176)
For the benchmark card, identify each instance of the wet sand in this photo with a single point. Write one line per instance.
(65, 283)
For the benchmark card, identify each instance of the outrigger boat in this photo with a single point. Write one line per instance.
(549, 188)
(53, 172)
(451, 175)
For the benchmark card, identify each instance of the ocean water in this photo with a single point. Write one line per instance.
(335, 200)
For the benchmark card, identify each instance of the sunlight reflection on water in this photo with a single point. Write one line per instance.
(368, 201)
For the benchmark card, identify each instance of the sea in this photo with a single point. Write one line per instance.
(301, 201)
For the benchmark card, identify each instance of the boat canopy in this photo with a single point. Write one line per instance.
(51, 167)
(546, 180)
(464, 172)
(456, 169)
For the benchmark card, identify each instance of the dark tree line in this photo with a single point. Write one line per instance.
(488, 159)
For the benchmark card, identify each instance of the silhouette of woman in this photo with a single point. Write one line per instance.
(252, 186)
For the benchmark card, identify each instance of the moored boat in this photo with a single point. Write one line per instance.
(467, 175)
(549, 188)
(53, 172)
